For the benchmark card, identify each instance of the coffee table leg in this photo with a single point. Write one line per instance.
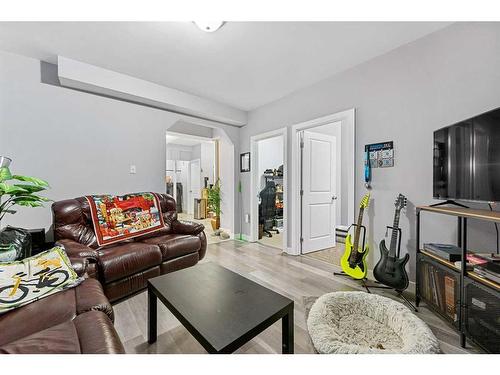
(287, 332)
(151, 316)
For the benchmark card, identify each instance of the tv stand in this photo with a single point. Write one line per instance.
(469, 302)
(449, 201)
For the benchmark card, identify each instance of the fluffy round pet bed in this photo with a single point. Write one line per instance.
(358, 322)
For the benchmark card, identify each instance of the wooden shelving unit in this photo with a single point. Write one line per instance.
(468, 213)
(466, 277)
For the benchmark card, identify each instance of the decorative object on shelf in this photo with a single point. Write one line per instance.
(353, 261)
(214, 202)
(380, 155)
(22, 193)
(358, 322)
(245, 162)
(390, 269)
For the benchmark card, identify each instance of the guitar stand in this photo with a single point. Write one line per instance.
(363, 228)
(399, 292)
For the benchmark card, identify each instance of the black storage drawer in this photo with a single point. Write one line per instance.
(439, 287)
(482, 315)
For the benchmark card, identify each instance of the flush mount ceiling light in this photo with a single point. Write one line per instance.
(209, 26)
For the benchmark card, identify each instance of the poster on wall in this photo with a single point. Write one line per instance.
(381, 155)
(245, 162)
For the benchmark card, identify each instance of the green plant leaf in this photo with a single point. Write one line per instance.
(29, 204)
(30, 188)
(33, 180)
(11, 189)
(29, 198)
(5, 174)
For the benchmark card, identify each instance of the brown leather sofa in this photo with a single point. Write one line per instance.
(75, 321)
(124, 268)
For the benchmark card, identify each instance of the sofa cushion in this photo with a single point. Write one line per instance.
(58, 339)
(175, 245)
(89, 333)
(53, 310)
(119, 261)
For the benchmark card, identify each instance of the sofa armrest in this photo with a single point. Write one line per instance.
(90, 296)
(187, 227)
(77, 250)
(79, 265)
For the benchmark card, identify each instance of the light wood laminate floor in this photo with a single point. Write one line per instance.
(297, 277)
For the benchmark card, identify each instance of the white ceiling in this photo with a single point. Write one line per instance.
(244, 64)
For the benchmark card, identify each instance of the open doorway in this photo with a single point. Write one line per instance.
(323, 181)
(192, 171)
(269, 188)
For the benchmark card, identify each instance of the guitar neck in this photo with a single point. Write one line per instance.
(357, 233)
(394, 237)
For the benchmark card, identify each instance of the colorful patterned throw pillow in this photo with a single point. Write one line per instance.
(30, 279)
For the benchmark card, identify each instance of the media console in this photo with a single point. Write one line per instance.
(467, 301)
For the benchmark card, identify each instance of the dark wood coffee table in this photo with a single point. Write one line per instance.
(220, 308)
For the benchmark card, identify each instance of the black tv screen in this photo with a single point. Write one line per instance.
(467, 159)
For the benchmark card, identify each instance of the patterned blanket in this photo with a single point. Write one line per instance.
(117, 218)
(30, 279)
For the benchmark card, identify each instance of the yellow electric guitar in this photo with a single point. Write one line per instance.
(353, 261)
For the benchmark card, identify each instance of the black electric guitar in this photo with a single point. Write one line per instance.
(390, 270)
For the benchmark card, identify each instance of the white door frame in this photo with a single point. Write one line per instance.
(221, 135)
(190, 190)
(348, 115)
(254, 182)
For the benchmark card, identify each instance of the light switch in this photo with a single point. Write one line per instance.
(132, 169)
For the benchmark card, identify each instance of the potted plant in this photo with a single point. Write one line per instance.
(214, 201)
(22, 193)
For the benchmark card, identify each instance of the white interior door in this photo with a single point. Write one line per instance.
(319, 189)
(194, 184)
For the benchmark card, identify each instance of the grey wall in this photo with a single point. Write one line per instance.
(81, 143)
(402, 96)
(270, 157)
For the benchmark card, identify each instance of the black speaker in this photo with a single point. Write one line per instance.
(482, 315)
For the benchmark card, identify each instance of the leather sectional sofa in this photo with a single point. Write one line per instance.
(75, 321)
(124, 268)
(80, 320)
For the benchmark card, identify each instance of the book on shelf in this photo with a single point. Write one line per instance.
(490, 271)
(490, 257)
(475, 259)
(449, 292)
(447, 252)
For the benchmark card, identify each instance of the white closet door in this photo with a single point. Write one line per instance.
(319, 186)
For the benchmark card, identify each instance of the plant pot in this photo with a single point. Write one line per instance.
(215, 222)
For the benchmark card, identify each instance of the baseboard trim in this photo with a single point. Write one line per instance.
(241, 237)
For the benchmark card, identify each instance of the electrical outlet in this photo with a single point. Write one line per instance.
(133, 170)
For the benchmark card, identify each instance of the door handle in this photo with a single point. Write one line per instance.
(334, 198)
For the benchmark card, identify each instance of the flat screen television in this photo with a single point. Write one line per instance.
(467, 159)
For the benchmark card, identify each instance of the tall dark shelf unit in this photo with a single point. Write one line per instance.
(468, 284)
